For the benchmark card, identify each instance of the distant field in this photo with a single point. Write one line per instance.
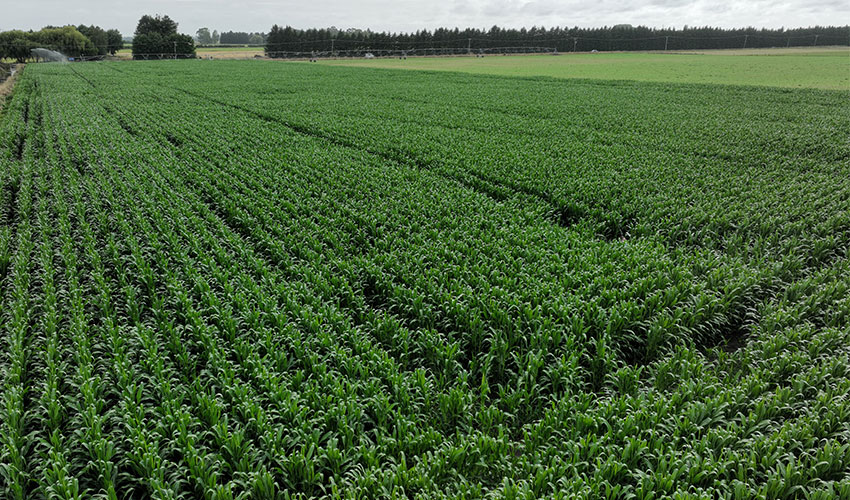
(829, 50)
(231, 52)
(215, 52)
(825, 68)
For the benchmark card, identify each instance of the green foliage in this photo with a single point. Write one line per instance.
(421, 286)
(156, 46)
(156, 37)
(162, 25)
(105, 42)
(241, 38)
(67, 40)
(16, 45)
(98, 37)
(203, 36)
(114, 41)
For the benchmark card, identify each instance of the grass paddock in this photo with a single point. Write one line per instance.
(796, 67)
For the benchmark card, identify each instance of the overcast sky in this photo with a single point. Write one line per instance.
(410, 15)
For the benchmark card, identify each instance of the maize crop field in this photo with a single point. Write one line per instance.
(266, 280)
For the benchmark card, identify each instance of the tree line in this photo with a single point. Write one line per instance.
(72, 41)
(156, 37)
(204, 37)
(282, 41)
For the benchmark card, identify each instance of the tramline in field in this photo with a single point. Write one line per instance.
(267, 280)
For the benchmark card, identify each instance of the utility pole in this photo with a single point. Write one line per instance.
(816, 40)
(745, 40)
(175, 50)
(469, 45)
(666, 39)
(575, 42)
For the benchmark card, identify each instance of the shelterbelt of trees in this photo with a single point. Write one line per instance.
(204, 37)
(620, 37)
(73, 41)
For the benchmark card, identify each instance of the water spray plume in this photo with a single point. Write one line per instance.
(49, 55)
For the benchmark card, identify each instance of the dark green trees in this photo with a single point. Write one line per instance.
(105, 42)
(283, 41)
(156, 37)
(114, 40)
(17, 44)
(98, 37)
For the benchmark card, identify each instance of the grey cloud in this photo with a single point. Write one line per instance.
(539, 8)
(669, 3)
(499, 8)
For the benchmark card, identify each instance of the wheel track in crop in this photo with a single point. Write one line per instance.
(563, 213)
(734, 329)
(480, 183)
(731, 333)
(414, 319)
(568, 216)
(404, 158)
(570, 219)
(241, 221)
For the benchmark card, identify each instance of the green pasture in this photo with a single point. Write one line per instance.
(824, 68)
